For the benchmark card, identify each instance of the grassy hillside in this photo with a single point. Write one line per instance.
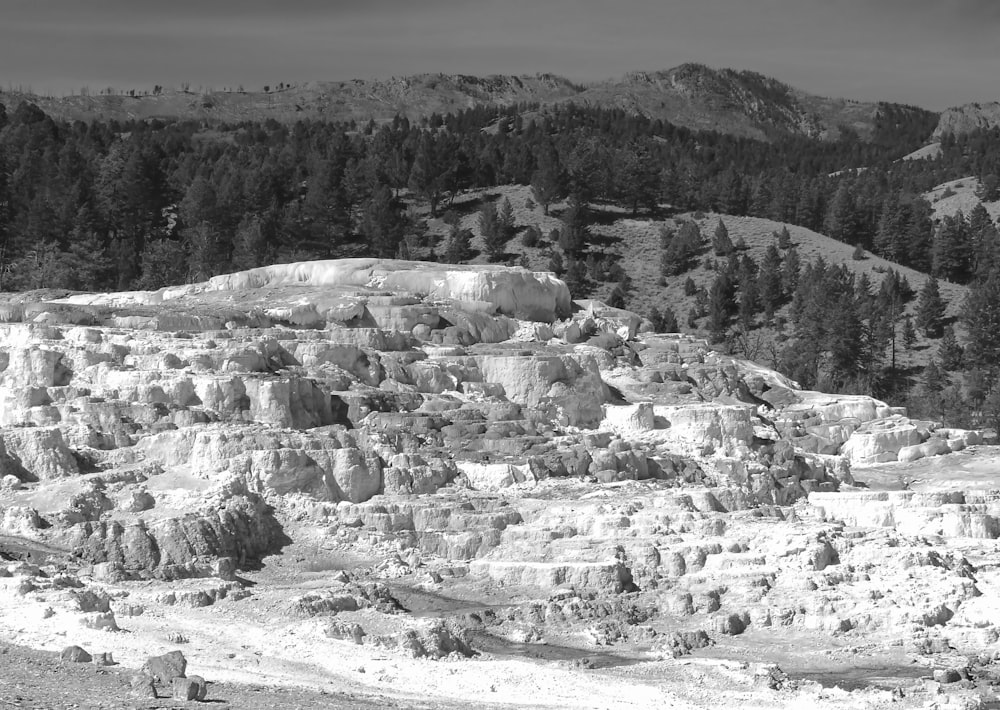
(955, 196)
(635, 245)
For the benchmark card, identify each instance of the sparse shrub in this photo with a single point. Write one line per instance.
(690, 288)
(663, 321)
(531, 237)
(618, 297)
(666, 234)
(556, 264)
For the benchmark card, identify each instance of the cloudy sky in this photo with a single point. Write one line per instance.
(933, 53)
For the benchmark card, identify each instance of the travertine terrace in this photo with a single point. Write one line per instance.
(455, 484)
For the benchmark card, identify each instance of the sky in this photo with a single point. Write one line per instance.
(930, 53)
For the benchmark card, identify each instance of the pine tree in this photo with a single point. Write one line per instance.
(790, 272)
(720, 306)
(505, 218)
(935, 380)
(981, 316)
(546, 182)
(930, 309)
(382, 223)
(574, 235)
(909, 333)
(769, 289)
(919, 236)
(493, 233)
(722, 245)
(459, 249)
(784, 238)
(668, 321)
(749, 301)
(841, 217)
(426, 172)
(683, 247)
(950, 353)
(891, 233)
(989, 188)
(952, 253)
(637, 176)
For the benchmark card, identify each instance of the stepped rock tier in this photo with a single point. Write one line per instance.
(312, 468)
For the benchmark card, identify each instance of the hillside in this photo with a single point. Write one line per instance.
(694, 96)
(955, 196)
(635, 245)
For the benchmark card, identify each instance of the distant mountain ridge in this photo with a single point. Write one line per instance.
(742, 103)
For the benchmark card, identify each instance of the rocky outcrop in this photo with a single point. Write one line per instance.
(420, 441)
(242, 528)
(968, 118)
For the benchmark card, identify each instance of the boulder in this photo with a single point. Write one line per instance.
(165, 668)
(75, 654)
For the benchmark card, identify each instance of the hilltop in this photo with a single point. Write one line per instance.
(692, 95)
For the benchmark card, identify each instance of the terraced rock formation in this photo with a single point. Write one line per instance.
(329, 474)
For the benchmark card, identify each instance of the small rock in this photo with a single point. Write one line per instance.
(48, 612)
(345, 632)
(104, 659)
(165, 668)
(770, 676)
(141, 684)
(100, 621)
(224, 568)
(75, 654)
(947, 675)
(202, 686)
(184, 689)
(141, 501)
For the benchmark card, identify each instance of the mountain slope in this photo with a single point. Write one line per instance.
(695, 96)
